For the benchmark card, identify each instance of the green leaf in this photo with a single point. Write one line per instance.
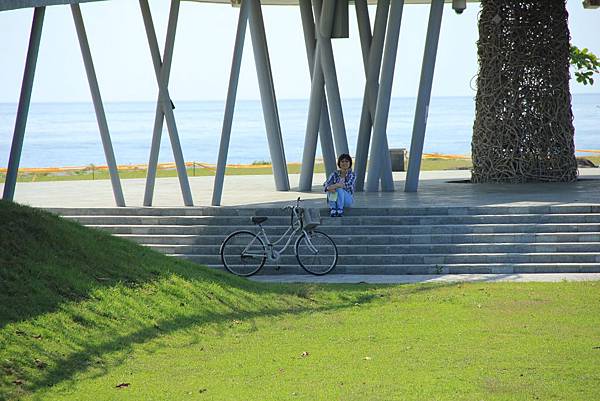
(585, 63)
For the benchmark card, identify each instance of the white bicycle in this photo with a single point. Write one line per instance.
(244, 252)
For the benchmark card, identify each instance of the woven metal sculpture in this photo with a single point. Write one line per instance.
(523, 129)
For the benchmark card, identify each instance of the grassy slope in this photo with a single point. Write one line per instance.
(71, 297)
(81, 312)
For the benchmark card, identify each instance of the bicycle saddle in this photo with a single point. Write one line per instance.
(258, 220)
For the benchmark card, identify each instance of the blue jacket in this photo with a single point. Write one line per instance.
(335, 178)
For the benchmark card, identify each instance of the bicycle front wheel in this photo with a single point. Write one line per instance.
(316, 252)
(243, 253)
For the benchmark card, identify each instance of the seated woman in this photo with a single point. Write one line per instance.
(340, 186)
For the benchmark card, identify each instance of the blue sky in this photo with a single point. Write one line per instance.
(203, 52)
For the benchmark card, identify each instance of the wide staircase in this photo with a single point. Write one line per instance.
(423, 240)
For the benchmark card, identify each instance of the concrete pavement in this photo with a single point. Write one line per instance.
(437, 188)
(420, 278)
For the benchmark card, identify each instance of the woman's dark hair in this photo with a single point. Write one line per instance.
(344, 156)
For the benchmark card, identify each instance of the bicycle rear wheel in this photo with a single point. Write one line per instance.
(316, 252)
(243, 253)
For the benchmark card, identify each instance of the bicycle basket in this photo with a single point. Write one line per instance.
(312, 217)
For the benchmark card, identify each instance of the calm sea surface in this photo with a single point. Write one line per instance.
(66, 134)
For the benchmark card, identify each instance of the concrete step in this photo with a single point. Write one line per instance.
(271, 211)
(487, 268)
(425, 240)
(410, 249)
(439, 229)
(236, 221)
(382, 239)
(437, 259)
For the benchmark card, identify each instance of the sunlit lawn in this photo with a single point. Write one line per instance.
(86, 316)
(472, 342)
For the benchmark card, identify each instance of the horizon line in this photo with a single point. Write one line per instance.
(245, 100)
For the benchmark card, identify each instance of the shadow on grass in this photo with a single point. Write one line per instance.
(46, 261)
(234, 299)
(80, 361)
(89, 354)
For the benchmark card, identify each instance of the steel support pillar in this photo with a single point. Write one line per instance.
(364, 29)
(234, 76)
(372, 50)
(164, 107)
(98, 106)
(158, 114)
(267, 95)
(35, 37)
(308, 25)
(312, 127)
(327, 18)
(329, 72)
(318, 116)
(422, 109)
(379, 162)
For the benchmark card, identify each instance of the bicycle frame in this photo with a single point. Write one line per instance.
(244, 252)
(292, 232)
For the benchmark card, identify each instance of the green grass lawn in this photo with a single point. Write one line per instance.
(87, 174)
(293, 168)
(86, 316)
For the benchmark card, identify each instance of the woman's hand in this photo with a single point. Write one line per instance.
(334, 187)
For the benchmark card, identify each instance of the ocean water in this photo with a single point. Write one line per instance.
(66, 134)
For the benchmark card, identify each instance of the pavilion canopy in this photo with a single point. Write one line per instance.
(14, 4)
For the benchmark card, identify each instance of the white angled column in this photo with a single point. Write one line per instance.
(372, 50)
(308, 26)
(379, 161)
(318, 116)
(422, 109)
(325, 49)
(164, 107)
(98, 106)
(315, 103)
(16, 148)
(267, 95)
(234, 76)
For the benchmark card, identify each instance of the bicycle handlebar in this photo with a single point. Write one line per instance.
(291, 207)
(294, 210)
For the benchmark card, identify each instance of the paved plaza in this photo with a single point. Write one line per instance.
(437, 188)
(428, 278)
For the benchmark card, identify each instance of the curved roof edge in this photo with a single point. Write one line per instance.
(295, 2)
(15, 4)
